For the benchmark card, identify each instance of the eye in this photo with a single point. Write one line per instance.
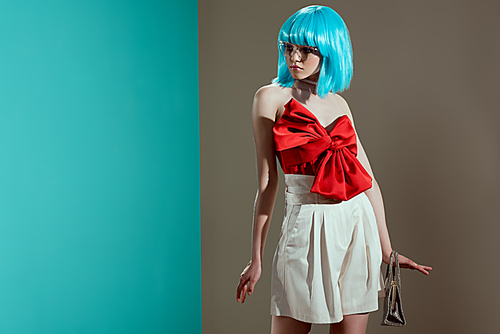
(307, 50)
(288, 46)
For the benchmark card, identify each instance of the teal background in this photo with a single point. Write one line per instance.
(99, 169)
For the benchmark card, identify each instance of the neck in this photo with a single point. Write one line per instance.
(311, 82)
(306, 85)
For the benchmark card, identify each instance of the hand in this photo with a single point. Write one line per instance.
(405, 262)
(248, 279)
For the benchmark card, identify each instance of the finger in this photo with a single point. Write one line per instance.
(407, 263)
(238, 292)
(413, 264)
(251, 287)
(240, 288)
(426, 268)
(244, 294)
(422, 270)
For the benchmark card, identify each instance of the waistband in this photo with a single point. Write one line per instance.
(298, 191)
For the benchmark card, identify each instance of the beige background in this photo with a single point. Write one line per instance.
(425, 99)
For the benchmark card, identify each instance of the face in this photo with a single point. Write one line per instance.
(299, 67)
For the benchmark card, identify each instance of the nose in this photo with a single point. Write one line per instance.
(295, 56)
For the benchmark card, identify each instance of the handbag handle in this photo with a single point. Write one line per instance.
(394, 274)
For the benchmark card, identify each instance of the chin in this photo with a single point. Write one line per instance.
(298, 77)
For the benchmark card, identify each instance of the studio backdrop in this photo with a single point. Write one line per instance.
(425, 102)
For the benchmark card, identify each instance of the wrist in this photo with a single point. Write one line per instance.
(255, 262)
(386, 255)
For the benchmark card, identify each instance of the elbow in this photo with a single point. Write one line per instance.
(374, 186)
(270, 184)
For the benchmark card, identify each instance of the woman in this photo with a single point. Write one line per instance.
(326, 267)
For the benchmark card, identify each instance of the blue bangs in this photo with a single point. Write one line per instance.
(322, 27)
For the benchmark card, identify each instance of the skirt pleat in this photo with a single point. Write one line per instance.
(328, 258)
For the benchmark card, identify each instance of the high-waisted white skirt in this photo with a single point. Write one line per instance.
(327, 262)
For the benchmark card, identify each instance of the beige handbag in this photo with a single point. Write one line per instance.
(393, 307)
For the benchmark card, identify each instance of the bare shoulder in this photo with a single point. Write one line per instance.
(341, 101)
(269, 100)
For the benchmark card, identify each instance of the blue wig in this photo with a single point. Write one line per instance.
(322, 27)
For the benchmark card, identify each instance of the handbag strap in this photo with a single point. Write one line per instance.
(393, 270)
(398, 272)
(395, 274)
(390, 268)
(389, 272)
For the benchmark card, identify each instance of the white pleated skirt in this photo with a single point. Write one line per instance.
(328, 260)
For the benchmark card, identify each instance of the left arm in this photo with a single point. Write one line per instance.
(375, 196)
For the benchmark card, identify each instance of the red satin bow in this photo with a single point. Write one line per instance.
(301, 139)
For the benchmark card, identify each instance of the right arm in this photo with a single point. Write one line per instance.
(263, 117)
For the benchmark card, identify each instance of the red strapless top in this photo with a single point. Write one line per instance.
(304, 146)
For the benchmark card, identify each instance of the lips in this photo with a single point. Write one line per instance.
(295, 67)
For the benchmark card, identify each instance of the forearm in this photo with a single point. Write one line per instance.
(263, 212)
(375, 196)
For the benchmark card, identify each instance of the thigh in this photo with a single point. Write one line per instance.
(351, 324)
(287, 325)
